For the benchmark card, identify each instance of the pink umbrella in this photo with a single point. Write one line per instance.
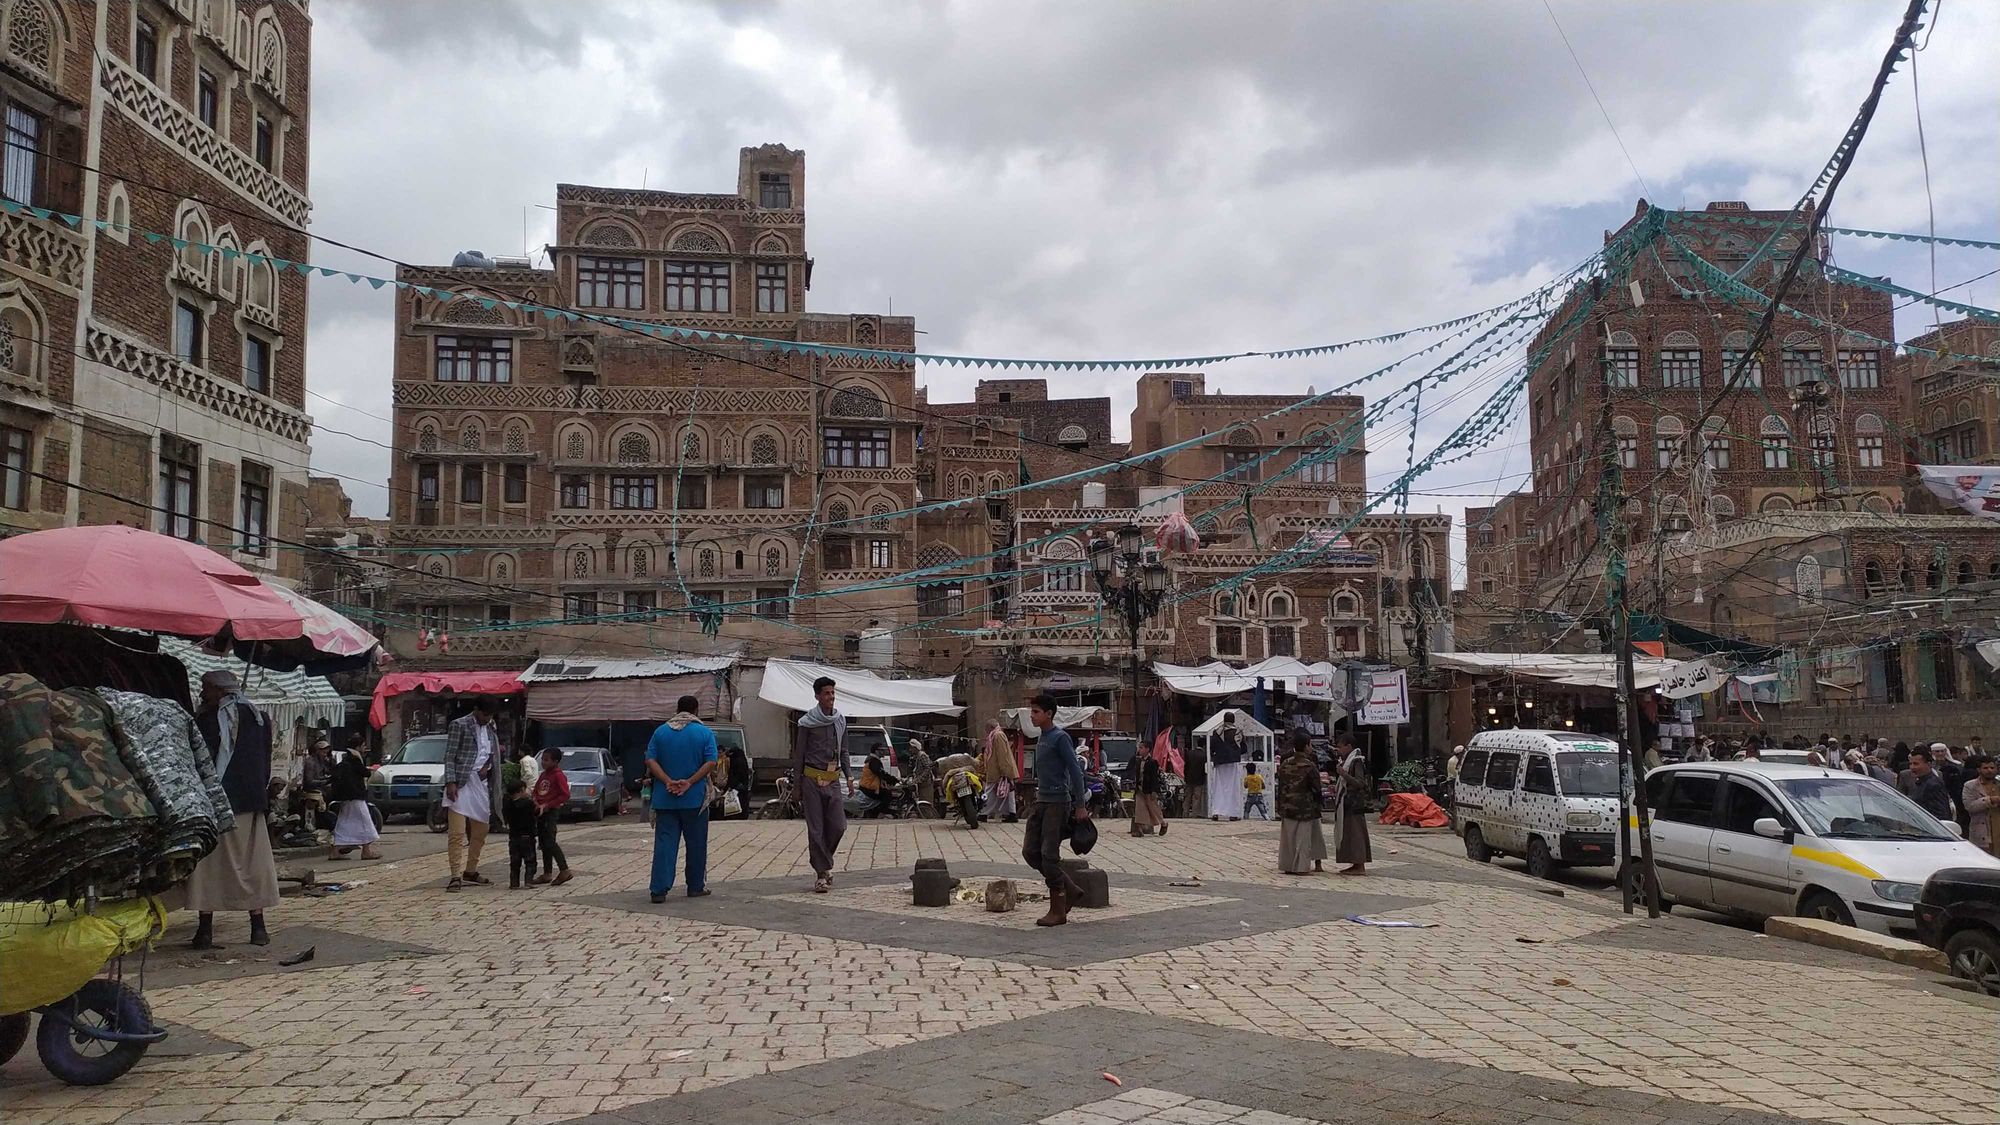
(133, 579)
(331, 633)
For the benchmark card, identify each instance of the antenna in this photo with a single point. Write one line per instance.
(644, 175)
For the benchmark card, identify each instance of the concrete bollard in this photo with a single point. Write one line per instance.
(1096, 888)
(931, 887)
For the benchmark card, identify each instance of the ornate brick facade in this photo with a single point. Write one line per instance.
(124, 357)
(1816, 427)
(594, 488)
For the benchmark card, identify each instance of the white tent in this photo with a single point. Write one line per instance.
(1578, 670)
(1216, 679)
(859, 693)
(1260, 743)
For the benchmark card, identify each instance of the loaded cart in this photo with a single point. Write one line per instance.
(94, 1028)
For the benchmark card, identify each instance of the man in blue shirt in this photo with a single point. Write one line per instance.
(1060, 796)
(679, 759)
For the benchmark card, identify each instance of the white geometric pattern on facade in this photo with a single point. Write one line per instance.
(517, 439)
(763, 450)
(149, 105)
(623, 400)
(162, 370)
(42, 247)
(427, 439)
(574, 448)
(31, 38)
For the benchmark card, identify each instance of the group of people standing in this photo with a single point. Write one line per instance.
(1303, 805)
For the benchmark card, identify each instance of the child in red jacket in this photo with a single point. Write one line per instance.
(551, 795)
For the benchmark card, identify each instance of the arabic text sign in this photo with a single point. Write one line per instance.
(1690, 677)
(1388, 701)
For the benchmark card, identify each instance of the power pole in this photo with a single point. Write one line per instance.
(1612, 528)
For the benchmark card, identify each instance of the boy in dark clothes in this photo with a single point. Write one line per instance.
(523, 829)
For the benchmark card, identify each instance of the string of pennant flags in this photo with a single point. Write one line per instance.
(1854, 232)
(704, 335)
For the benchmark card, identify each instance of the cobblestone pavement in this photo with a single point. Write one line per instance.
(1249, 997)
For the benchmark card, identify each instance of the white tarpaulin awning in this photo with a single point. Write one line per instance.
(1578, 670)
(860, 693)
(1218, 679)
(1068, 718)
(586, 668)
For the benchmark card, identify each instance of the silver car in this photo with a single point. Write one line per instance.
(596, 781)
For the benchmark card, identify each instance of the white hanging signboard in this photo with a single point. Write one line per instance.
(1316, 686)
(1973, 488)
(1691, 677)
(1388, 701)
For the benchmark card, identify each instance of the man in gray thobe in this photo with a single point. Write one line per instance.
(819, 771)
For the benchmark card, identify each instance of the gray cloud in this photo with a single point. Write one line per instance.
(1125, 178)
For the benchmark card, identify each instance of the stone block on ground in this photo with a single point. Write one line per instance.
(1001, 896)
(1833, 935)
(1096, 888)
(931, 887)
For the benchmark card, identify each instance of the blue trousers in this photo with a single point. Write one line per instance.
(669, 825)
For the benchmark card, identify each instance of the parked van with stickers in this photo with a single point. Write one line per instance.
(1550, 797)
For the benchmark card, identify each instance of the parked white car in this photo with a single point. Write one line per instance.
(1760, 840)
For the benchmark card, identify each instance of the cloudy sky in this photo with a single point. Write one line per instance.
(1131, 177)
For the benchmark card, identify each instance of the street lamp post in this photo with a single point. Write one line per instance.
(1134, 588)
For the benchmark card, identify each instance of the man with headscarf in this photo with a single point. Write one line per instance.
(819, 769)
(923, 772)
(241, 873)
(1949, 767)
(999, 770)
(1149, 782)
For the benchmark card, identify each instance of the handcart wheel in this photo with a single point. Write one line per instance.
(76, 1057)
(13, 1035)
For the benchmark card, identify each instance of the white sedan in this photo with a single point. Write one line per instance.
(1761, 840)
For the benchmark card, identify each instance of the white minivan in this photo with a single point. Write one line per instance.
(1550, 797)
(1758, 840)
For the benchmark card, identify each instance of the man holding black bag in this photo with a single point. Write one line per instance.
(1060, 797)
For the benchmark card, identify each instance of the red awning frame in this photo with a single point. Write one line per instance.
(458, 683)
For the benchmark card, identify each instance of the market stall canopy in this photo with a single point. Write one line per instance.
(1217, 679)
(1576, 669)
(128, 578)
(1068, 718)
(1246, 724)
(287, 697)
(861, 693)
(461, 683)
(599, 691)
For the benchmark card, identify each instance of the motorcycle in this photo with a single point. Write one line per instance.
(784, 806)
(962, 791)
(1104, 799)
(898, 802)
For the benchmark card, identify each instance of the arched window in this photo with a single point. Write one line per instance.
(574, 447)
(1872, 583)
(642, 562)
(516, 440)
(856, 402)
(1806, 577)
(1680, 360)
(878, 513)
(1934, 574)
(1993, 571)
(705, 564)
(1242, 435)
(270, 57)
(1878, 504)
(1673, 514)
(739, 559)
(1777, 441)
(763, 450)
(1278, 605)
(965, 486)
(690, 446)
(31, 36)
(607, 232)
(634, 448)
(1775, 503)
(1347, 604)
(1868, 442)
(1064, 558)
(838, 513)
(579, 563)
(1225, 604)
(774, 562)
(427, 438)
(1072, 434)
(469, 438)
(1965, 574)
(1721, 507)
(1715, 445)
(1668, 435)
(1627, 433)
